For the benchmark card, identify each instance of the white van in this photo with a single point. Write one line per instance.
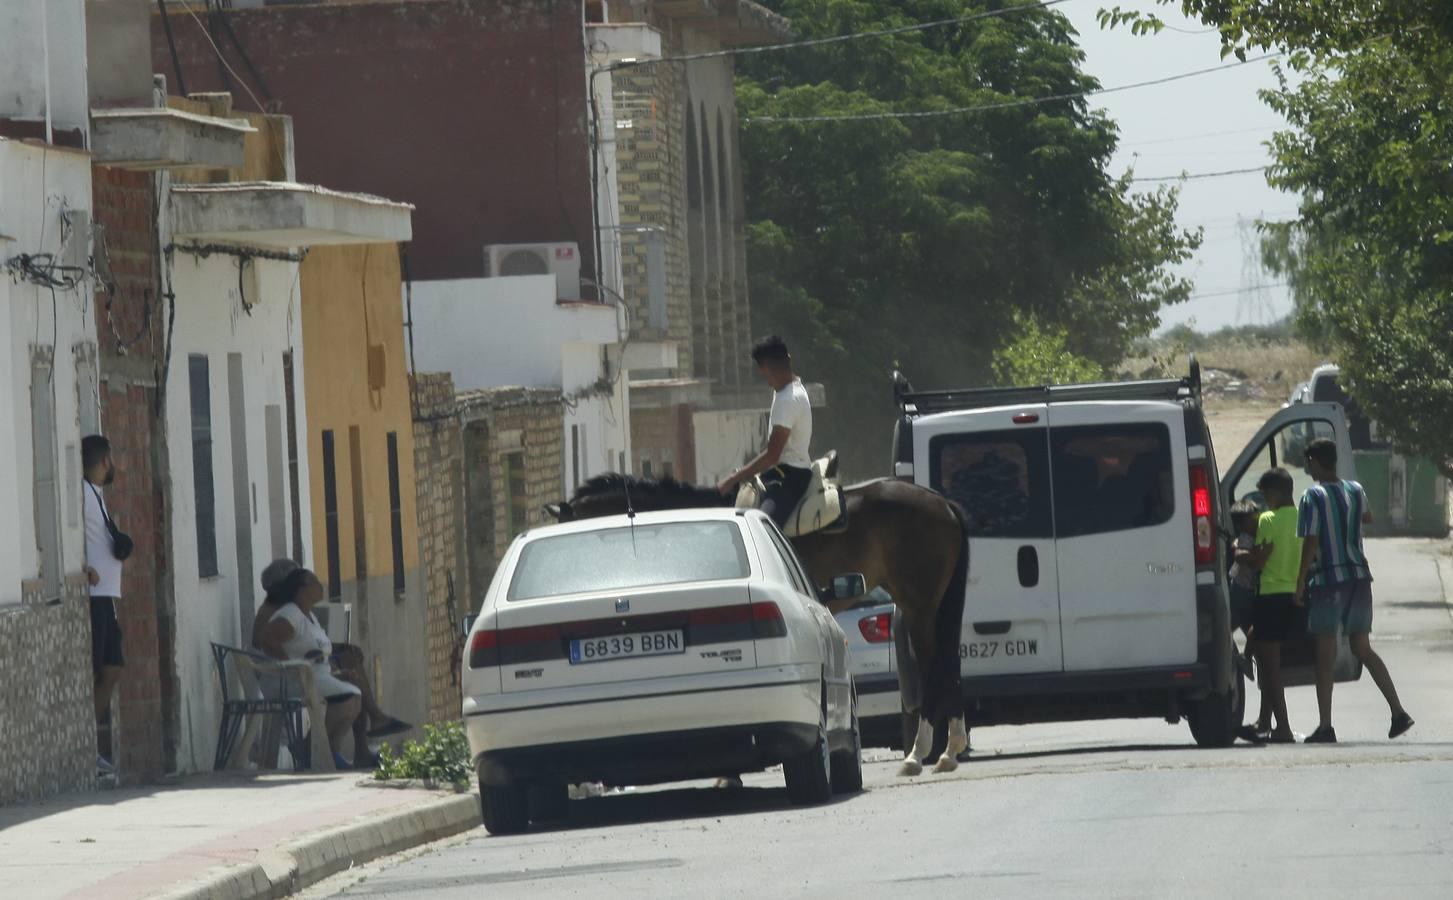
(1098, 544)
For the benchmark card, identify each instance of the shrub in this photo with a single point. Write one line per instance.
(442, 756)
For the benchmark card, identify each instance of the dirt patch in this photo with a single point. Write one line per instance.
(1234, 423)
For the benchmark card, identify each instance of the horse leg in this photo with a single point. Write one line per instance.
(920, 649)
(958, 742)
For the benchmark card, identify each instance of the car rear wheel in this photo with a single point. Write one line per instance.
(809, 774)
(549, 802)
(847, 765)
(505, 808)
(1215, 718)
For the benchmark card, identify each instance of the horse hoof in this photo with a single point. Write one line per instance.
(910, 768)
(946, 764)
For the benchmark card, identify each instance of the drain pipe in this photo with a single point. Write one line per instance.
(45, 61)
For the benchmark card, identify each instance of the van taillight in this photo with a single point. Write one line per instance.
(484, 649)
(1205, 529)
(877, 629)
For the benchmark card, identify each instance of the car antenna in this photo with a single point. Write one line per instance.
(630, 511)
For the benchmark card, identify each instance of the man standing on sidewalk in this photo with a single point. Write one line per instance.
(106, 547)
(1338, 587)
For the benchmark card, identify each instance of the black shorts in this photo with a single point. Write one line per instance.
(786, 486)
(105, 634)
(1275, 618)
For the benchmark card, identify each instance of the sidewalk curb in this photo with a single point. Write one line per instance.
(290, 867)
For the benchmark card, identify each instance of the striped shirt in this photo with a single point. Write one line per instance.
(1332, 512)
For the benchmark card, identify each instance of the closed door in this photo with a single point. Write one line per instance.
(995, 463)
(1124, 544)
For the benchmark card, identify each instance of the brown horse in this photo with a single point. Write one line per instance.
(907, 539)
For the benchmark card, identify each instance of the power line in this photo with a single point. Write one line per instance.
(833, 39)
(1197, 175)
(220, 58)
(1005, 104)
(1202, 136)
(1234, 291)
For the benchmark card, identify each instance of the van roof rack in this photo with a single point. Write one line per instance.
(922, 403)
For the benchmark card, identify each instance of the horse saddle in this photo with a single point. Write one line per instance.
(822, 507)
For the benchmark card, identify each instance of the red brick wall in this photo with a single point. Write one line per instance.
(147, 695)
(475, 112)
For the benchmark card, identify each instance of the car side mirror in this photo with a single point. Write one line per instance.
(849, 586)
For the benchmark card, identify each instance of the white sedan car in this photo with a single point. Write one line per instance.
(660, 647)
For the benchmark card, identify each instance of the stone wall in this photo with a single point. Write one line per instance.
(438, 478)
(664, 438)
(508, 426)
(47, 717)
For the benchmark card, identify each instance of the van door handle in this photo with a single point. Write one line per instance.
(1028, 567)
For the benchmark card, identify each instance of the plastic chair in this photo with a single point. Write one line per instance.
(269, 687)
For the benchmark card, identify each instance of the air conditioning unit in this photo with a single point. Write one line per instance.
(560, 260)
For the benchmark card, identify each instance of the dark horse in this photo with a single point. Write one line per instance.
(911, 541)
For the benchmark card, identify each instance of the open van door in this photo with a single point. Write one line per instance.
(1282, 441)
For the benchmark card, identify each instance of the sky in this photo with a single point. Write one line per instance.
(1208, 123)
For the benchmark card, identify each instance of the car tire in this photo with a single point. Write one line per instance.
(505, 808)
(1215, 718)
(549, 802)
(847, 765)
(809, 774)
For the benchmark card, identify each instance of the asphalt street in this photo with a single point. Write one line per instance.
(1102, 809)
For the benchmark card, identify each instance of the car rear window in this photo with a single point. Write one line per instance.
(621, 558)
(1001, 478)
(1111, 478)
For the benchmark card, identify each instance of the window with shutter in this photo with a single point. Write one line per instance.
(396, 511)
(203, 484)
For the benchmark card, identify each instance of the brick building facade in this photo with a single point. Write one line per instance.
(514, 466)
(130, 325)
(439, 480)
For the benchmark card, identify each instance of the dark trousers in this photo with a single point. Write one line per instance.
(786, 486)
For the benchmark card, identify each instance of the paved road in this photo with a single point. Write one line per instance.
(1112, 809)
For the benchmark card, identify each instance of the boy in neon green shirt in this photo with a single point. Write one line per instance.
(1278, 554)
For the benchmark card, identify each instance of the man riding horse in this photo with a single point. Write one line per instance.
(785, 466)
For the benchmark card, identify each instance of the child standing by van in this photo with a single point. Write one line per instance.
(1242, 577)
(1278, 554)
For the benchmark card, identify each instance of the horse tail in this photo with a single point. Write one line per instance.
(948, 625)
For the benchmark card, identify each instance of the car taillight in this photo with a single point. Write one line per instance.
(484, 649)
(877, 629)
(767, 621)
(1205, 530)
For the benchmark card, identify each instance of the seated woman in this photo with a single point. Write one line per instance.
(293, 633)
(348, 664)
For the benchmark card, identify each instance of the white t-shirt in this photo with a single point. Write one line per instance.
(792, 409)
(99, 555)
(308, 636)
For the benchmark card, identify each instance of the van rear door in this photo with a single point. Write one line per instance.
(1123, 531)
(995, 462)
(1282, 442)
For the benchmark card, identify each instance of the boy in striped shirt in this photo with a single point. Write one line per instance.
(1336, 582)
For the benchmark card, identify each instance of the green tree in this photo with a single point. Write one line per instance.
(927, 240)
(1370, 151)
(1039, 356)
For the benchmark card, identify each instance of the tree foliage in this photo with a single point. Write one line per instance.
(923, 241)
(1039, 356)
(1370, 151)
